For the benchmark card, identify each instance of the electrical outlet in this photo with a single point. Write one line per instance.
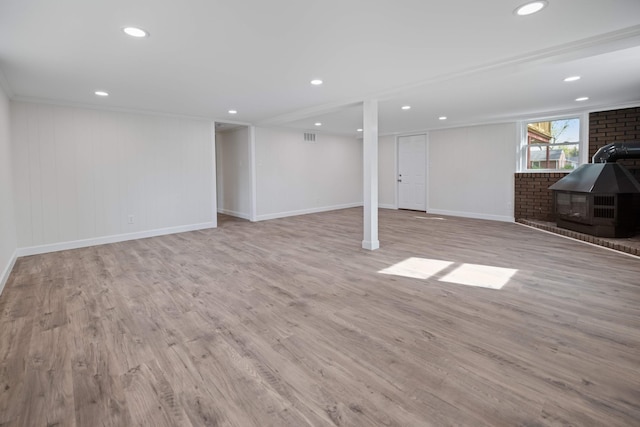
(131, 219)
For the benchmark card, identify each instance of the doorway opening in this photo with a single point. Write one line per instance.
(233, 173)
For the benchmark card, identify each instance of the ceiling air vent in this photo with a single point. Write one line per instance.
(309, 137)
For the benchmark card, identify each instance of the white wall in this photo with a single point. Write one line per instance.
(233, 172)
(296, 177)
(8, 242)
(471, 171)
(80, 173)
(387, 172)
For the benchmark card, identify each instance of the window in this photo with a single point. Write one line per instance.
(551, 145)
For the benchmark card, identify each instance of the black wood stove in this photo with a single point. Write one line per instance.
(599, 198)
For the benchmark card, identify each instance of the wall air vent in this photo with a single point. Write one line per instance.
(309, 137)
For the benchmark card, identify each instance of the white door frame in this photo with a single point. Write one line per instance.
(251, 142)
(214, 177)
(253, 215)
(426, 168)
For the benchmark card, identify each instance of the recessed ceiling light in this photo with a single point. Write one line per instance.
(316, 82)
(582, 98)
(572, 78)
(101, 93)
(530, 8)
(442, 118)
(359, 130)
(406, 107)
(318, 124)
(135, 32)
(233, 112)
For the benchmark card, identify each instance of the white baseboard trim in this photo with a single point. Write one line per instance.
(234, 213)
(384, 206)
(7, 270)
(473, 215)
(371, 245)
(307, 211)
(75, 244)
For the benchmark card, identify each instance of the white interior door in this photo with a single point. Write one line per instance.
(412, 166)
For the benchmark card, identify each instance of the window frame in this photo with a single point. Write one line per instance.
(583, 143)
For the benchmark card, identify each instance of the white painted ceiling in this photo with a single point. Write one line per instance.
(473, 61)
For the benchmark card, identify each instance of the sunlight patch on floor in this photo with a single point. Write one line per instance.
(483, 276)
(417, 268)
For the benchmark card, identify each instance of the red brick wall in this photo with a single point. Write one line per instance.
(606, 127)
(533, 199)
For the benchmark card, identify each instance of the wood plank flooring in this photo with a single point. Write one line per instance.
(289, 323)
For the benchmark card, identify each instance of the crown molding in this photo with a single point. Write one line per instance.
(35, 100)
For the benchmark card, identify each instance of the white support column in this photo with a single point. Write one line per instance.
(370, 158)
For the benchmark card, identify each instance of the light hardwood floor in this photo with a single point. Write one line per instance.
(289, 323)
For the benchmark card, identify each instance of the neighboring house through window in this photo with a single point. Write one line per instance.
(554, 144)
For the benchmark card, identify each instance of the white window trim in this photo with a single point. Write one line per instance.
(583, 146)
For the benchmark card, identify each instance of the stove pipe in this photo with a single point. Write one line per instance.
(615, 151)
